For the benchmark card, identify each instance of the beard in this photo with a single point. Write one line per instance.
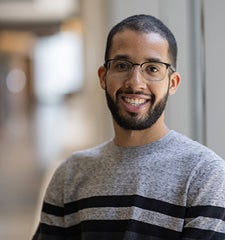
(132, 121)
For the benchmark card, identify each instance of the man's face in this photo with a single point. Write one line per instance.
(136, 103)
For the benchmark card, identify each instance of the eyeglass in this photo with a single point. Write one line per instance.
(151, 71)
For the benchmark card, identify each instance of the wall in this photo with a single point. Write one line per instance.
(214, 19)
(94, 18)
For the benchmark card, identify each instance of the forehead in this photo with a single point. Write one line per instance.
(139, 46)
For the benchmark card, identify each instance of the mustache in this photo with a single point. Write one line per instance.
(134, 92)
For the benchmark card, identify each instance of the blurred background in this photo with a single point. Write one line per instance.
(50, 101)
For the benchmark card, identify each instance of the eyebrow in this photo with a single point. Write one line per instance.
(126, 57)
(154, 60)
(122, 57)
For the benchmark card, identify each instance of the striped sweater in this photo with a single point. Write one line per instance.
(171, 189)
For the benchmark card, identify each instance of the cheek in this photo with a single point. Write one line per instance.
(112, 87)
(159, 90)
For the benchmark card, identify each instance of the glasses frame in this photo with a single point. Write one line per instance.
(168, 65)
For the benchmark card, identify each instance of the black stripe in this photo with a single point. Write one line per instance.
(127, 225)
(122, 226)
(194, 233)
(206, 211)
(138, 201)
(51, 230)
(126, 201)
(53, 210)
(105, 229)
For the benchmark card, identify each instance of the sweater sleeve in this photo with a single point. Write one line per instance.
(205, 216)
(51, 226)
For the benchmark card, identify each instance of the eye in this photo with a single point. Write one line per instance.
(151, 68)
(121, 66)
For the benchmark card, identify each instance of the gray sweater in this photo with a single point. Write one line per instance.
(171, 189)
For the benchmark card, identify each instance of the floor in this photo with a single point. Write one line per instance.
(30, 149)
(20, 179)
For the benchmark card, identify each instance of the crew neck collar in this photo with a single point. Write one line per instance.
(141, 148)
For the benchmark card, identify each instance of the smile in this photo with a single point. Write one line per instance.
(135, 101)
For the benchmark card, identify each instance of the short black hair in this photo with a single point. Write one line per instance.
(146, 24)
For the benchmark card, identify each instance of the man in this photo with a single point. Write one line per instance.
(148, 182)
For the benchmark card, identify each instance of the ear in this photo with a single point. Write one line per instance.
(175, 80)
(102, 77)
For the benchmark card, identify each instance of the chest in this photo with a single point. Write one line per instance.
(150, 179)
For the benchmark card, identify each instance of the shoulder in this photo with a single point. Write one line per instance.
(187, 146)
(192, 158)
(205, 171)
(83, 159)
(80, 163)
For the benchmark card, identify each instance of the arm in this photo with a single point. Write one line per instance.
(51, 224)
(205, 216)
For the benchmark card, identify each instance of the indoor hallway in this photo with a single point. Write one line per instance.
(32, 143)
(20, 178)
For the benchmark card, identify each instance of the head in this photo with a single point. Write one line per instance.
(145, 24)
(137, 97)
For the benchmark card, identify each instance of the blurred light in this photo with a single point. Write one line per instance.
(58, 66)
(16, 80)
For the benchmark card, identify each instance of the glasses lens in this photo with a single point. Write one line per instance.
(119, 68)
(153, 71)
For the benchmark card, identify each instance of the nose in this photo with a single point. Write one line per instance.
(136, 81)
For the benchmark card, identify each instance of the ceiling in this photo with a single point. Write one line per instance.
(36, 11)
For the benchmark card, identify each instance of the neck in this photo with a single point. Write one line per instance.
(130, 138)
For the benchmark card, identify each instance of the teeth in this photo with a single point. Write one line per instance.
(134, 101)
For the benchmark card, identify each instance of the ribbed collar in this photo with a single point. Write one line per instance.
(139, 150)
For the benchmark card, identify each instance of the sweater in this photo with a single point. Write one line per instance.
(172, 189)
